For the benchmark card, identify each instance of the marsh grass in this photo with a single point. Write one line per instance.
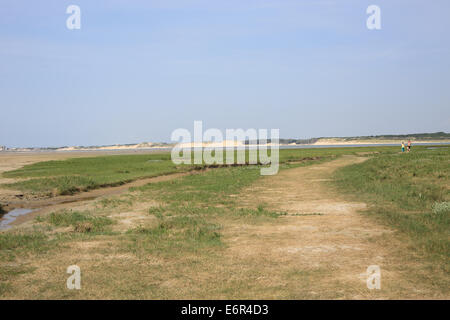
(211, 188)
(20, 247)
(17, 240)
(174, 235)
(8, 273)
(405, 191)
(82, 174)
(70, 176)
(79, 221)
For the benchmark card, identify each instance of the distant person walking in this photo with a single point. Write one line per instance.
(409, 145)
(403, 146)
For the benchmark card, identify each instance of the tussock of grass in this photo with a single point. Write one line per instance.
(80, 221)
(158, 212)
(260, 212)
(114, 202)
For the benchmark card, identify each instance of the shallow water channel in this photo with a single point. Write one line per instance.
(8, 218)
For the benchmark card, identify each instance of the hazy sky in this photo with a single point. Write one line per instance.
(137, 70)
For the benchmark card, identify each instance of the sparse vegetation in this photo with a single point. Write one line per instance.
(174, 235)
(408, 191)
(80, 221)
(13, 243)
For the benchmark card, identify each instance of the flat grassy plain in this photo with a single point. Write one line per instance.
(70, 176)
(169, 239)
(65, 177)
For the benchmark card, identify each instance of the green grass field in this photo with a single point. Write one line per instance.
(83, 174)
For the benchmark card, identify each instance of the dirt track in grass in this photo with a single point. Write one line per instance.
(325, 242)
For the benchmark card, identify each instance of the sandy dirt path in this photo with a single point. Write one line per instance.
(324, 245)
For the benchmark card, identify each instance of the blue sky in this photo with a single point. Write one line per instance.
(137, 70)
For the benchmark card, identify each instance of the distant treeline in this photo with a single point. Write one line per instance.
(415, 136)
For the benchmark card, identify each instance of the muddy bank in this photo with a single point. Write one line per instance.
(40, 206)
(44, 205)
(8, 218)
(13, 199)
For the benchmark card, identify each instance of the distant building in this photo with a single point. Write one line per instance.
(2, 148)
